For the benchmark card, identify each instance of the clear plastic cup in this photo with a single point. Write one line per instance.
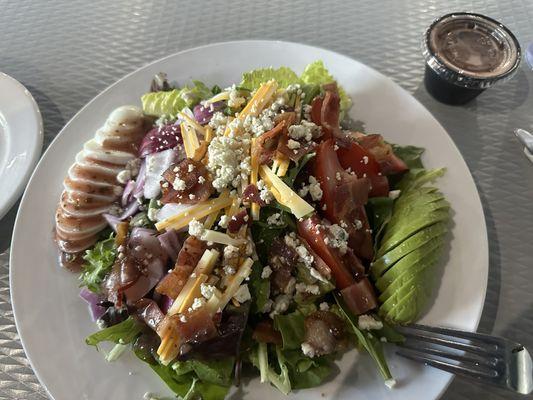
(467, 53)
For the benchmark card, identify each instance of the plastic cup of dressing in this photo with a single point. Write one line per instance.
(465, 54)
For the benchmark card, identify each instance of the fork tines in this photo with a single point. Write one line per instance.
(480, 357)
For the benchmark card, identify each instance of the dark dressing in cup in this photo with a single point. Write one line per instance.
(466, 53)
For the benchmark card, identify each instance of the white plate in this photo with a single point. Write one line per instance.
(53, 321)
(21, 139)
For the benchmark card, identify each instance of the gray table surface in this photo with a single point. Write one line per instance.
(67, 51)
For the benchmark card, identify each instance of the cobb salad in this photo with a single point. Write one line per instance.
(239, 231)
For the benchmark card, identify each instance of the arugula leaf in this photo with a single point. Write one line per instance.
(316, 73)
(99, 259)
(389, 333)
(122, 333)
(259, 288)
(410, 155)
(292, 329)
(259, 359)
(295, 171)
(369, 341)
(283, 75)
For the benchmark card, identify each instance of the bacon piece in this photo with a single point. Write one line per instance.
(295, 154)
(251, 195)
(238, 221)
(196, 327)
(266, 145)
(264, 332)
(283, 260)
(325, 111)
(360, 297)
(197, 182)
(189, 255)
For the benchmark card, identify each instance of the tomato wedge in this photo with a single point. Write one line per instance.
(342, 192)
(312, 230)
(347, 270)
(382, 151)
(363, 163)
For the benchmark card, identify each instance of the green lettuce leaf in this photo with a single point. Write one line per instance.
(291, 327)
(122, 333)
(168, 103)
(316, 73)
(311, 91)
(99, 259)
(283, 75)
(368, 340)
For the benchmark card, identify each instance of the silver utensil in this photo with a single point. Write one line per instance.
(483, 358)
(525, 138)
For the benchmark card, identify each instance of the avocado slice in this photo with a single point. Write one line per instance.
(421, 272)
(415, 195)
(412, 262)
(419, 239)
(414, 210)
(407, 308)
(412, 226)
(421, 178)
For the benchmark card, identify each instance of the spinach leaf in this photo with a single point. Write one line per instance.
(369, 341)
(411, 155)
(178, 384)
(187, 385)
(264, 234)
(311, 377)
(294, 171)
(292, 329)
(259, 288)
(123, 333)
(218, 372)
(99, 259)
(379, 212)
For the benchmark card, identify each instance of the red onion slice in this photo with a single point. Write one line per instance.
(170, 243)
(127, 193)
(92, 299)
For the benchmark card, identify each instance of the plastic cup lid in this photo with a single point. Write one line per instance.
(471, 50)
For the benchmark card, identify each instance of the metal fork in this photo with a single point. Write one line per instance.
(482, 358)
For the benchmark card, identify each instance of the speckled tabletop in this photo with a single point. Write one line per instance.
(67, 51)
